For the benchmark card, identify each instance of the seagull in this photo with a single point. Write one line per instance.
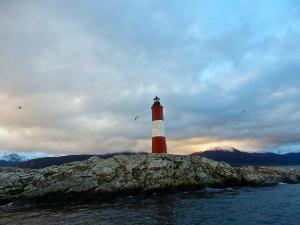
(136, 117)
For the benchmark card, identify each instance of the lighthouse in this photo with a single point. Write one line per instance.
(158, 128)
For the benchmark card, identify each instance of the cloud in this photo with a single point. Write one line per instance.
(82, 70)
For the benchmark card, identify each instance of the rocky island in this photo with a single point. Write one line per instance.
(141, 173)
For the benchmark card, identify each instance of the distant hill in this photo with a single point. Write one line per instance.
(4, 163)
(58, 160)
(238, 158)
(13, 157)
(232, 156)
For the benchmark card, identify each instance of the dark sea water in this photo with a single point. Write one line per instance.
(278, 204)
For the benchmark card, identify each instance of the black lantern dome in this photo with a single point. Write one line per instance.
(156, 100)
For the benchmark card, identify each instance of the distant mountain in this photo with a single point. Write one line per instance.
(58, 160)
(4, 163)
(13, 157)
(238, 158)
(230, 155)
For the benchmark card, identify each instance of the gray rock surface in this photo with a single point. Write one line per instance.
(98, 177)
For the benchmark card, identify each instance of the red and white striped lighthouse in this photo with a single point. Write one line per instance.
(158, 128)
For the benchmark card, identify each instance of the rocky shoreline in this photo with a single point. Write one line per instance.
(142, 173)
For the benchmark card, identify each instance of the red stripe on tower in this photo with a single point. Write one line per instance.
(158, 129)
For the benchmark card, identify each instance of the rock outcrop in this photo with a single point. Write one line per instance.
(121, 174)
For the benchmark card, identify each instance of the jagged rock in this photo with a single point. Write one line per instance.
(131, 174)
(268, 175)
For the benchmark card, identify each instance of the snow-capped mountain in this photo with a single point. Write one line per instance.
(13, 157)
(22, 156)
(223, 149)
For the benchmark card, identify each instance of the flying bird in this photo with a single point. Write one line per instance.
(136, 117)
(243, 111)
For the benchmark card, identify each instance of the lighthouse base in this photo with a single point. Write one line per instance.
(159, 145)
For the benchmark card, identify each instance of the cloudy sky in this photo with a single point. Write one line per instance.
(227, 72)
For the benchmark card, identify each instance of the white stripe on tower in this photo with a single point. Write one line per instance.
(158, 128)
